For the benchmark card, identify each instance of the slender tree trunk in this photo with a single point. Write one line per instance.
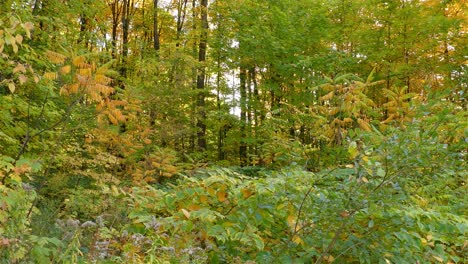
(83, 29)
(116, 10)
(181, 12)
(201, 125)
(193, 135)
(126, 14)
(406, 52)
(114, 39)
(243, 117)
(257, 113)
(222, 127)
(156, 45)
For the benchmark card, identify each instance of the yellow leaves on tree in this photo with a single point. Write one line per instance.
(11, 34)
(346, 106)
(398, 106)
(89, 81)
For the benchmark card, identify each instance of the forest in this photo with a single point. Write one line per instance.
(233, 131)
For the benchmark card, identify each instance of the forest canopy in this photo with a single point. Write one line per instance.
(233, 131)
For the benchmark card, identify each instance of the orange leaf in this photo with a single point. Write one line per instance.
(222, 196)
(203, 199)
(194, 207)
(246, 193)
(344, 214)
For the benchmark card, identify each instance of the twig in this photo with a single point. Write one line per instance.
(303, 201)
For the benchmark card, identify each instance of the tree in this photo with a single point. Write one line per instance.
(201, 75)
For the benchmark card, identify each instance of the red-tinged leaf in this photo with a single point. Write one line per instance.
(22, 79)
(19, 68)
(28, 25)
(344, 214)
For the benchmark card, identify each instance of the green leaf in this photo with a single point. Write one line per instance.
(380, 172)
(352, 150)
(258, 241)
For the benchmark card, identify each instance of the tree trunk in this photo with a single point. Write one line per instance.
(243, 117)
(181, 12)
(116, 12)
(126, 13)
(155, 26)
(201, 125)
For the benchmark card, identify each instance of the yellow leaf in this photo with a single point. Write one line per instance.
(15, 177)
(12, 87)
(222, 196)
(77, 61)
(211, 191)
(424, 241)
(50, 75)
(186, 213)
(329, 258)
(439, 259)
(19, 39)
(112, 119)
(65, 69)
(15, 47)
(55, 57)
(364, 125)
(296, 239)
(364, 179)
(327, 97)
(280, 206)
(85, 72)
(114, 189)
(291, 221)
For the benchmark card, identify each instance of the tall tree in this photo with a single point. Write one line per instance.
(156, 44)
(201, 75)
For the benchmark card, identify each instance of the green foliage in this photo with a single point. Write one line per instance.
(348, 119)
